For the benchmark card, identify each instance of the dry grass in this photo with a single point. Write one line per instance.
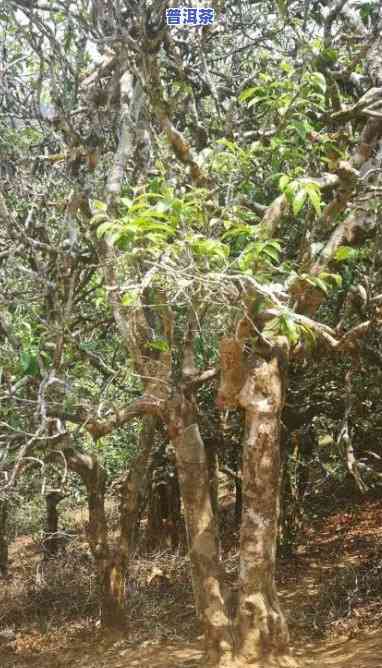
(331, 589)
(48, 594)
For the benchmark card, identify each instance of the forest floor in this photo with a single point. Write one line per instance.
(331, 591)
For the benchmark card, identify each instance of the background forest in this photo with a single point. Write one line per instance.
(190, 314)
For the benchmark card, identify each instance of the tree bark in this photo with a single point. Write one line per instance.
(261, 630)
(201, 531)
(257, 384)
(163, 512)
(213, 475)
(52, 541)
(133, 492)
(3, 538)
(238, 501)
(164, 523)
(109, 565)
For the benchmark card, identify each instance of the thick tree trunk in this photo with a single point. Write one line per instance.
(163, 513)
(238, 501)
(164, 524)
(52, 540)
(3, 538)
(294, 483)
(155, 514)
(261, 629)
(201, 531)
(109, 566)
(112, 592)
(213, 475)
(133, 492)
(112, 565)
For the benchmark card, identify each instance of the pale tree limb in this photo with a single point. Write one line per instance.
(335, 10)
(344, 440)
(132, 103)
(178, 143)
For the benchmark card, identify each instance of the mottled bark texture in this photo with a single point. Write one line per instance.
(3, 538)
(261, 629)
(213, 475)
(201, 530)
(133, 490)
(109, 566)
(111, 577)
(261, 633)
(164, 506)
(52, 539)
(133, 136)
(232, 372)
(112, 562)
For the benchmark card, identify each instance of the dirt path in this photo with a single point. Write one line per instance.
(362, 652)
(105, 652)
(357, 653)
(331, 593)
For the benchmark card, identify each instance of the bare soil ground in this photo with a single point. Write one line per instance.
(331, 591)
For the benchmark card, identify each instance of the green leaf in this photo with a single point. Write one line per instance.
(148, 225)
(126, 201)
(330, 54)
(98, 205)
(257, 99)
(272, 328)
(273, 253)
(129, 298)
(283, 182)
(209, 248)
(274, 244)
(104, 228)
(319, 80)
(282, 7)
(28, 363)
(236, 231)
(159, 344)
(290, 329)
(88, 345)
(299, 201)
(302, 128)
(286, 67)
(332, 279)
(247, 93)
(291, 188)
(156, 213)
(308, 335)
(282, 324)
(232, 146)
(344, 253)
(99, 218)
(325, 440)
(25, 360)
(115, 237)
(315, 199)
(319, 283)
(138, 205)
